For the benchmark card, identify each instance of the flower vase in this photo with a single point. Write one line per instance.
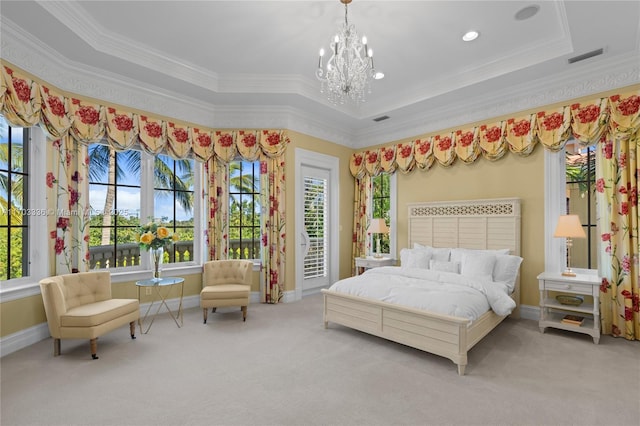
(157, 256)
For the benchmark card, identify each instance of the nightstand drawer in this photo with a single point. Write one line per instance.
(568, 287)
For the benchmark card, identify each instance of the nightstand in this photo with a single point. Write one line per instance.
(373, 262)
(552, 311)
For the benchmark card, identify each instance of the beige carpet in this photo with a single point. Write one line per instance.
(282, 367)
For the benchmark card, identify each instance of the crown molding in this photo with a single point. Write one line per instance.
(24, 51)
(591, 79)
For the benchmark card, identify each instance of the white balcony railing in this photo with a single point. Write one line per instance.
(101, 257)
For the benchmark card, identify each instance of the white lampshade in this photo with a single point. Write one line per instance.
(569, 226)
(378, 226)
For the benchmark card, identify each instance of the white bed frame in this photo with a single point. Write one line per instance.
(478, 224)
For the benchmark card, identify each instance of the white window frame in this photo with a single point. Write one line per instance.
(256, 262)
(555, 184)
(142, 271)
(38, 255)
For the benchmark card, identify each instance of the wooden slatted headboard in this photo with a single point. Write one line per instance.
(478, 224)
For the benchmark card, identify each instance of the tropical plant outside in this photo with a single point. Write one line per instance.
(381, 199)
(13, 179)
(118, 173)
(244, 209)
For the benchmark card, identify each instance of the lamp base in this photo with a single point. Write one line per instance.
(377, 256)
(568, 273)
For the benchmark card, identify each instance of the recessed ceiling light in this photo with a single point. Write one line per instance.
(470, 36)
(527, 12)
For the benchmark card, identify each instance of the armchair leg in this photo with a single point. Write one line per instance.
(244, 313)
(132, 329)
(204, 314)
(56, 347)
(93, 343)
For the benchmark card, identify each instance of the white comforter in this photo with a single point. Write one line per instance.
(434, 291)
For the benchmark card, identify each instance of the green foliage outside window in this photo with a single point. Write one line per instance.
(244, 210)
(14, 231)
(381, 199)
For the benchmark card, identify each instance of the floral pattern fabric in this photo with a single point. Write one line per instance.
(72, 123)
(67, 184)
(617, 170)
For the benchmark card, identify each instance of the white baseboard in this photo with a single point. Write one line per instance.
(23, 338)
(530, 312)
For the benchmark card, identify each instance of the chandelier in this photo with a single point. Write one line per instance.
(349, 70)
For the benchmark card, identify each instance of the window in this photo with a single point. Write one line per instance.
(570, 189)
(381, 202)
(383, 206)
(580, 171)
(123, 193)
(315, 224)
(244, 210)
(23, 210)
(173, 203)
(114, 198)
(14, 201)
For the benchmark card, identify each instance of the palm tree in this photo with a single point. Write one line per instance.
(164, 177)
(14, 189)
(103, 160)
(244, 182)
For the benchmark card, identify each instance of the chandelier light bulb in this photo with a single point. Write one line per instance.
(364, 40)
(370, 53)
(321, 52)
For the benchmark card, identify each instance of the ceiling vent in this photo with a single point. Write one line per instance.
(586, 56)
(381, 118)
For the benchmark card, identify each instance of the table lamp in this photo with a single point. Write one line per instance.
(378, 226)
(569, 227)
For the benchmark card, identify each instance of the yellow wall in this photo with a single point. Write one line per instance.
(511, 176)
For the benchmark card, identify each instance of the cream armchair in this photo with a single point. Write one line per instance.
(79, 306)
(226, 283)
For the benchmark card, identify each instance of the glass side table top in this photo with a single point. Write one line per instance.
(151, 282)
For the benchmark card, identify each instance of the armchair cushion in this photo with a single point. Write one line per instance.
(94, 314)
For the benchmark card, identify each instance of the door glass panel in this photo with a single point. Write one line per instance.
(315, 208)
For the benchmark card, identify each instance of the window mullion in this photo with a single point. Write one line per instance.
(147, 192)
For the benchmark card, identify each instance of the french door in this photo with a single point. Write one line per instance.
(316, 221)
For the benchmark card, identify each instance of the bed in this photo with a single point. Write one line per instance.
(476, 224)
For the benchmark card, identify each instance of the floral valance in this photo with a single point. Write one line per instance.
(585, 121)
(24, 102)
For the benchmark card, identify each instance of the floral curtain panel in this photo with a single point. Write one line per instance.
(215, 195)
(617, 169)
(72, 123)
(67, 185)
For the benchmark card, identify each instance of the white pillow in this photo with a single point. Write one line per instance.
(442, 266)
(456, 253)
(478, 265)
(441, 254)
(506, 269)
(414, 258)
